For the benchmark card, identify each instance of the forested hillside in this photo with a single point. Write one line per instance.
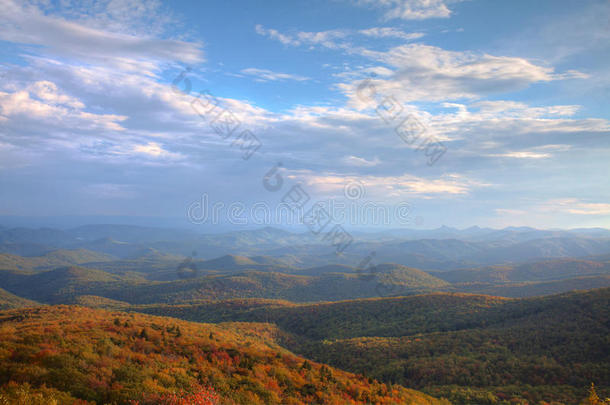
(149, 276)
(67, 353)
(64, 285)
(468, 348)
(433, 330)
(9, 301)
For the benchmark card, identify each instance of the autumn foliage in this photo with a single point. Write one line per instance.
(205, 396)
(69, 354)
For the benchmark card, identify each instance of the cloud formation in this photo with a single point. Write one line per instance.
(265, 75)
(337, 39)
(90, 109)
(390, 32)
(25, 23)
(411, 9)
(418, 72)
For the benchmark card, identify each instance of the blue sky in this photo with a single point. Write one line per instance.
(508, 100)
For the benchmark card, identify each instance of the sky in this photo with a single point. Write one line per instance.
(387, 113)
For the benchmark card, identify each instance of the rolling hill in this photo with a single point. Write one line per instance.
(52, 259)
(467, 348)
(346, 319)
(534, 289)
(64, 285)
(10, 301)
(538, 271)
(73, 353)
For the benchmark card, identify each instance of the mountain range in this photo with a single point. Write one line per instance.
(473, 316)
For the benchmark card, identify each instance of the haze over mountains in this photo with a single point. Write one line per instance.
(353, 202)
(146, 265)
(362, 311)
(445, 247)
(402, 307)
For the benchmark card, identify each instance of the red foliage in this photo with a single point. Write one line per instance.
(205, 396)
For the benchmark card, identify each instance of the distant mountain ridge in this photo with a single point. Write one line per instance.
(439, 249)
(66, 284)
(154, 276)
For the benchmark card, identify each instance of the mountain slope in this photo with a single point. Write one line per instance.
(398, 316)
(239, 263)
(538, 271)
(115, 357)
(10, 301)
(55, 258)
(548, 348)
(471, 349)
(65, 284)
(534, 289)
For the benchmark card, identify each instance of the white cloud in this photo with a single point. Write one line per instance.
(503, 108)
(335, 39)
(389, 187)
(390, 32)
(411, 9)
(423, 72)
(576, 206)
(148, 18)
(523, 155)
(153, 123)
(559, 206)
(483, 121)
(323, 38)
(93, 98)
(154, 149)
(266, 75)
(42, 101)
(48, 92)
(360, 162)
(324, 136)
(572, 212)
(28, 24)
(540, 152)
(275, 34)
